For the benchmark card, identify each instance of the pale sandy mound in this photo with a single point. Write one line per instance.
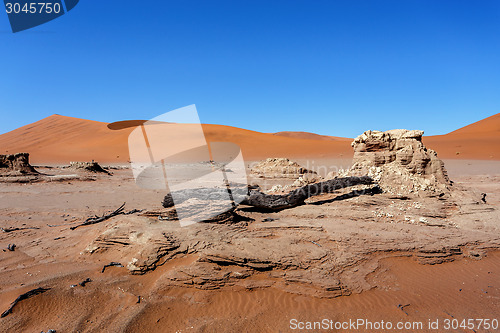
(399, 162)
(16, 165)
(88, 166)
(281, 175)
(279, 168)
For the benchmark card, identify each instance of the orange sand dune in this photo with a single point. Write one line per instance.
(311, 136)
(60, 139)
(480, 141)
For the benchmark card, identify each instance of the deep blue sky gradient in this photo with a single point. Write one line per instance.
(329, 67)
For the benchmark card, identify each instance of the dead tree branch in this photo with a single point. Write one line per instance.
(24, 296)
(98, 219)
(17, 229)
(117, 264)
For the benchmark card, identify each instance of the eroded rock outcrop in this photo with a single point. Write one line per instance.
(399, 162)
(16, 165)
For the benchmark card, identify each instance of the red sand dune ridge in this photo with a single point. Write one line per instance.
(311, 136)
(479, 141)
(60, 139)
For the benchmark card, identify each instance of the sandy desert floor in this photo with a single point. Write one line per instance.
(339, 258)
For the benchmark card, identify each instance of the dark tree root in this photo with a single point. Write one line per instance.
(24, 296)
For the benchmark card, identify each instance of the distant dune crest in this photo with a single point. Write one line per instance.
(60, 139)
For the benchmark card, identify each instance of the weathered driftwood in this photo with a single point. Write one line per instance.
(97, 219)
(238, 193)
(297, 197)
(257, 199)
(117, 264)
(24, 296)
(17, 229)
(355, 193)
(170, 214)
(231, 216)
(84, 282)
(402, 308)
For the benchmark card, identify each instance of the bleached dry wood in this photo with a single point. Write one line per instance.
(265, 201)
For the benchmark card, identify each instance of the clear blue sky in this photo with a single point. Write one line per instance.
(329, 67)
